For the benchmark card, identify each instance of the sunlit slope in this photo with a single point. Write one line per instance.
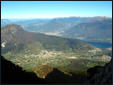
(14, 37)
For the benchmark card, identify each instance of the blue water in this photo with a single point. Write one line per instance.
(101, 45)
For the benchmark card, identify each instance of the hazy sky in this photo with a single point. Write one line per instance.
(52, 9)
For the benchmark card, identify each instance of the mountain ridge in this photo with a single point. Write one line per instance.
(22, 35)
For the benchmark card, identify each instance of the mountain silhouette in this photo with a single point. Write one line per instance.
(100, 74)
(12, 74)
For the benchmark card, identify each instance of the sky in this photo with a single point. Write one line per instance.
(54, 9)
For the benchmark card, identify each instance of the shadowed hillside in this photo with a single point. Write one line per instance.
(11, 74)
(56, 76)
(100, 74)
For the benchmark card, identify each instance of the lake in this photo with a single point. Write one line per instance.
(101, 45)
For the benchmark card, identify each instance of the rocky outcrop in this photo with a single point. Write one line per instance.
(100, 74)
(43, 70)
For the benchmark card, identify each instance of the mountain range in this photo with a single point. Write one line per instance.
(90, 29)
(98, 31)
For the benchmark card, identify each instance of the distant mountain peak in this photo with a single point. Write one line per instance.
(102, 16)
